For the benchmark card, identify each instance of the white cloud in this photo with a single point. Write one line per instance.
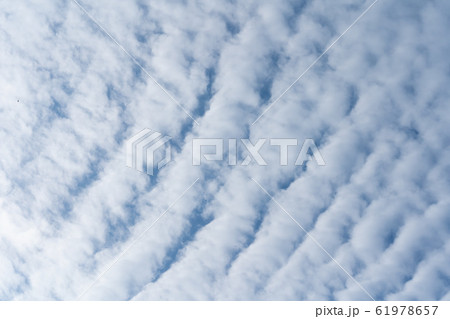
(376, 105)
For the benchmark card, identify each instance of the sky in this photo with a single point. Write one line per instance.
(79, 78)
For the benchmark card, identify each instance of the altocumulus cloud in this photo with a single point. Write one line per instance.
(376, 104)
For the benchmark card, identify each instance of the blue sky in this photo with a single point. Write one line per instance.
(376, 104)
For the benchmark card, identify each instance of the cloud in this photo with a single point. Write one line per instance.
(375, 105)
